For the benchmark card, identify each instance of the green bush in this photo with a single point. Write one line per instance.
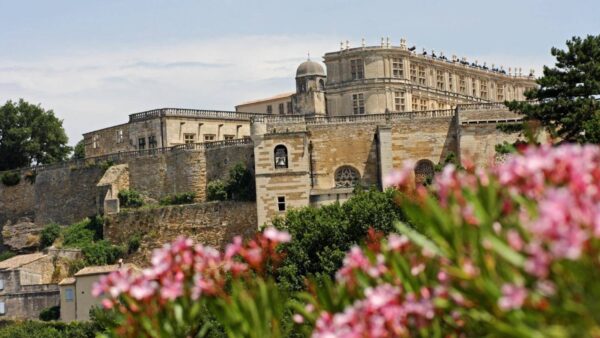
(36, 329)
(30, 176)
(102, 253)
(49, 234)
(10, 178)
(216, 191)
(6, 255)
(130, 199)
(323, 235)
(133, 244)
(240, 184)
(183, 198)
(51, 313)
(78, 235)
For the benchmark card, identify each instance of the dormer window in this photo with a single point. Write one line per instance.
(281, 157)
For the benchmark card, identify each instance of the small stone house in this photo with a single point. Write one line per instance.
(76, 297)
(25, 286)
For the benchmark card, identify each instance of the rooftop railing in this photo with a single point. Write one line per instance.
(196, 113)
(390, 116)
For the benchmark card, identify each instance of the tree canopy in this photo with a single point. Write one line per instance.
(567, 101)
(30, 135)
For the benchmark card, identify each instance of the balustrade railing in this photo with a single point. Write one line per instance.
(191, 113)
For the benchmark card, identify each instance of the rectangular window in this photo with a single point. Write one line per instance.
(152, 142)
(357, 69)
(474, 86)
(440, 80)
(269, 109)
(289, 107)
(422, 104)
(69, 295)
(358, 104)
(281, 111)
(189, 138)
(422, 76)
(281, 203)
(462, 85)
(141, 143)
(415, 103)
(228, 137)
(413, 73)
(1, 284)
(397, 68)
(500, 92)
(209, 137)
(483, 89)
(95, 141)
(119, 136)
(2, 308)
(399, 103)
(450, 82)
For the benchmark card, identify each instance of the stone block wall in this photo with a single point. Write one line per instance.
(478, 142)
(30, 301)
(211, 223)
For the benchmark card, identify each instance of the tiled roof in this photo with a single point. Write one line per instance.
(272, 98)
(103, 269)
(67, 281)
(20, 260)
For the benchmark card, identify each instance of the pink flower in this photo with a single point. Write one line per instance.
(277, 236)
(514, 239)
(513, 297)
(400, 178)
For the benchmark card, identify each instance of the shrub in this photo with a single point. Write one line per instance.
(6, 255)
(240, 184)
(130, 199)
(216, 191)
(78, 235)
(183, 198)
(37, 329)
(133, 244)
(10, 178)
(30, 176)
(51, 313)
(102, 253)
(49, 234)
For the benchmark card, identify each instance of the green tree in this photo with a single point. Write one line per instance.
(30, 135)
(240, 184)
(49, 234)
(323, 235)
(567, 101)
(79, 151)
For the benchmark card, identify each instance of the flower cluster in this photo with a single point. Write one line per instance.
(183, 268)
(384, 312)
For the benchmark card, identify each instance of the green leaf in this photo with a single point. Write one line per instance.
(419, 239)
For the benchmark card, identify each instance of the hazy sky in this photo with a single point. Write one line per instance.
(96, 61)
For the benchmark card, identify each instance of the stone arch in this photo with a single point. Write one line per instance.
(280, 156)
(346, 177)
(424, 170)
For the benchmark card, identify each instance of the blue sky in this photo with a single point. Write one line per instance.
(95, 62)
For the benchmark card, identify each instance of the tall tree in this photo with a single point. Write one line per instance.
(567, 101)
(30, 135)
(79, 150)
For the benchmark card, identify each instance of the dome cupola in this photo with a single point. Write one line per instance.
(310, 68)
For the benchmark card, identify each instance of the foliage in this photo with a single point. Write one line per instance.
(450, 158)
(37, 329)
(79, 151)
(323, 235)
(30, 176)
(51, 313)
(176, 199)
(133, 244)
(130, 199)
(566, 102)
(30, 135)
(10, 178)
(87, 235)
(187, 283)
(6, 255)
(216, 191)
(239, 186)
(49, 234)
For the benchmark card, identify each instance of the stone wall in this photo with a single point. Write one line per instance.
(478, 142)
(211, 223)
(431, 139)
(30, 301)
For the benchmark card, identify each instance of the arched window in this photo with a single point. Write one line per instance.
(346, 177)
(281, 157)
(424, 170)
(321, 84)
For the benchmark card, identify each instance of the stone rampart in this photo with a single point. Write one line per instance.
(211, 223)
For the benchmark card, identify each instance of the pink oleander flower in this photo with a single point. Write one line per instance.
(513, 297)
(400, 178)
(276, 235)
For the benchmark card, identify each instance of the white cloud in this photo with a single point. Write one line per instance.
(92, 89)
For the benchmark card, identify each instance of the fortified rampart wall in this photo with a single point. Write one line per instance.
(211, 223)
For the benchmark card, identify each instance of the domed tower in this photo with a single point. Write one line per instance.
(310, 89)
